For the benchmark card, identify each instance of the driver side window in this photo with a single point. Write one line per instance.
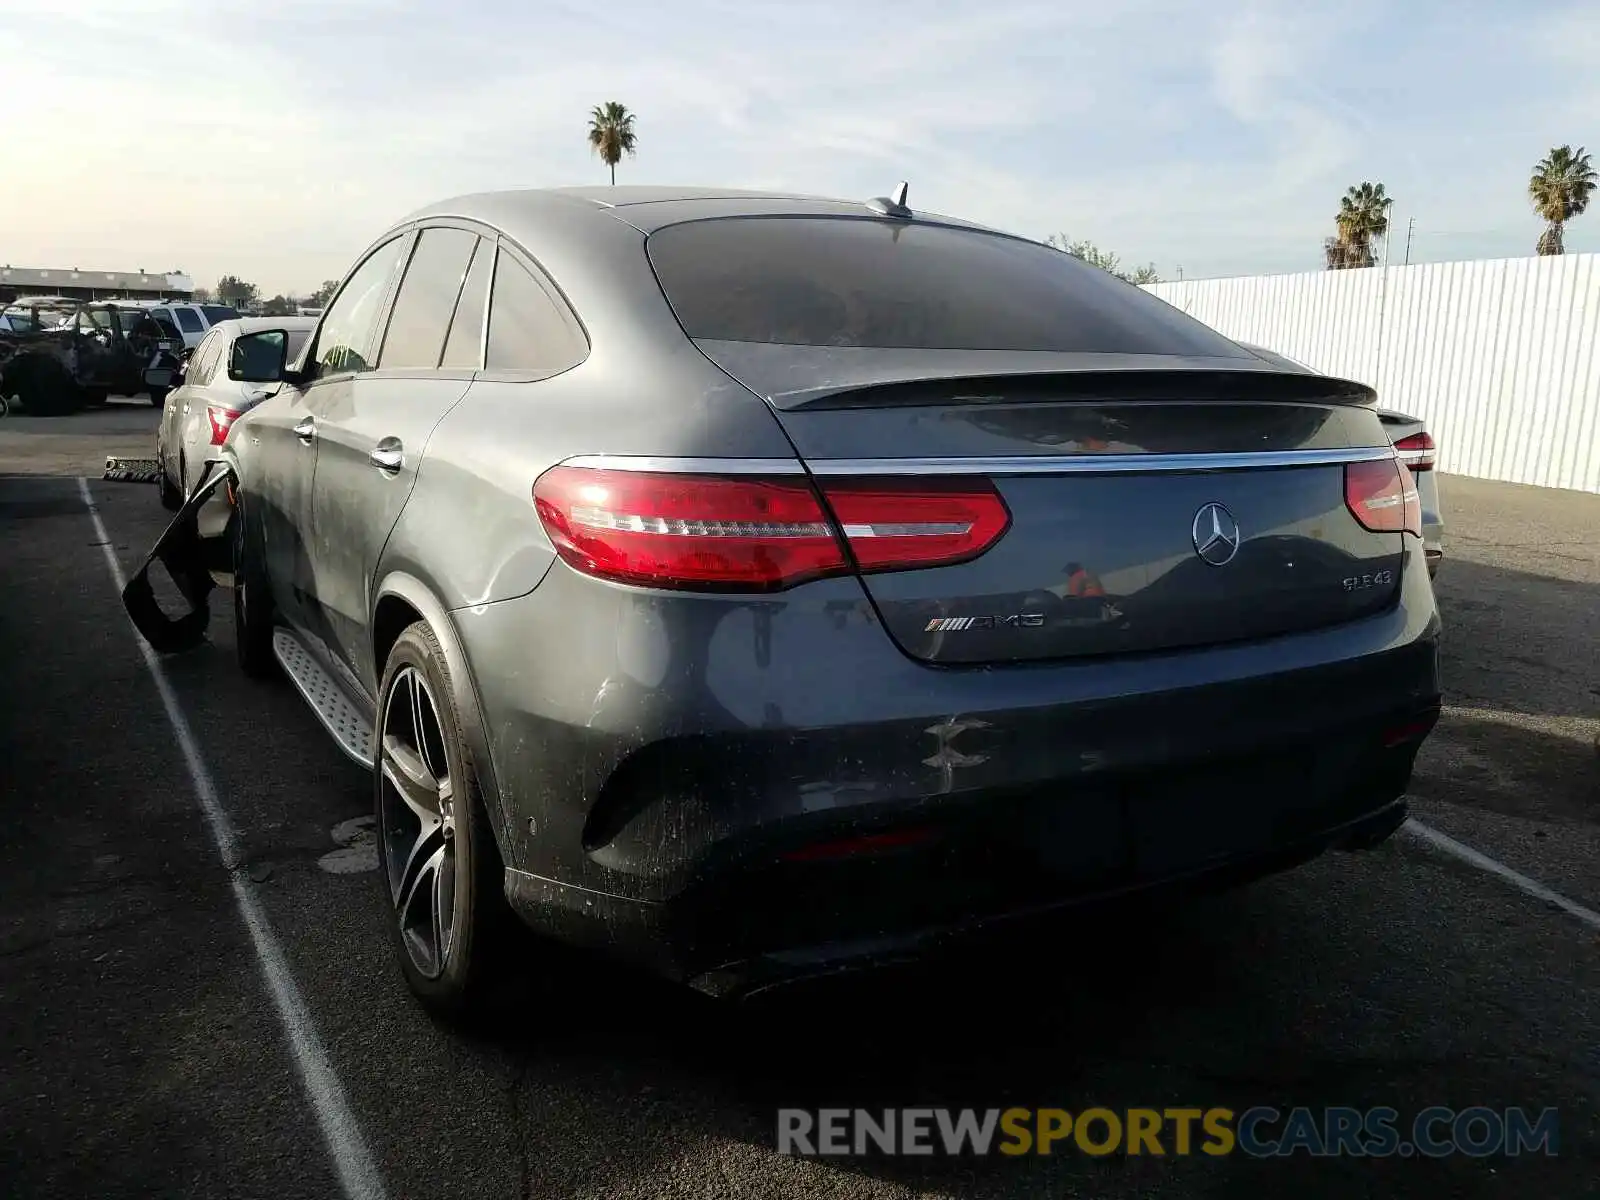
(350, 326)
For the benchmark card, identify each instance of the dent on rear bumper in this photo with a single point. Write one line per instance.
(643, 739)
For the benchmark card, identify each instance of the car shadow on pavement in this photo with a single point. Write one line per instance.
(1260, 996)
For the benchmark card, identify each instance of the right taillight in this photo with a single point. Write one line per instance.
(1382, 495)
(221, 419)
(1416, 451)
(747, 533)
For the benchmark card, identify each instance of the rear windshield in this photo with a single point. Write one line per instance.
(218, 312)
(843, 281)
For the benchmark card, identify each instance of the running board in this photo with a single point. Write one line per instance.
(350, 729)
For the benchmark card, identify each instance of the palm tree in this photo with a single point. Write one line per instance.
(611, 134)
(1560, 189)
(1363, 218)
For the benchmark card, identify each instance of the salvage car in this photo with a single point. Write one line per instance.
(78, 354)
(18, 322)
(204, 403)
(682, 565)
(1417, 450)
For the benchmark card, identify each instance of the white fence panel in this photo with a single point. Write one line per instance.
(1500, 356)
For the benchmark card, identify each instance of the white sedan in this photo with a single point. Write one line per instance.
(205, 402)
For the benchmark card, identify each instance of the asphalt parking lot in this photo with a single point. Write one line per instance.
(145, 1054)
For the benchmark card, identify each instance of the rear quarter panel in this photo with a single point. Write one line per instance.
(470, 531)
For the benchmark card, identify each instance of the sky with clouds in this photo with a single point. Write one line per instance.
(276, 140)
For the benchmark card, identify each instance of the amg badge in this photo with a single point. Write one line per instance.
(1014, 621)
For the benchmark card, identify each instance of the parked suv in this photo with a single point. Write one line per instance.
(194, 321)
(758, 585)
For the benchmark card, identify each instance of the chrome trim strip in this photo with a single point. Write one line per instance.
(1007, 464)
(687, 466)
(1098, 464)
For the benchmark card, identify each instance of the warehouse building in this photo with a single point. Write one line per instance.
(72, 283)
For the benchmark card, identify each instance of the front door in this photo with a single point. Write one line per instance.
(286, 432)
(372, 432)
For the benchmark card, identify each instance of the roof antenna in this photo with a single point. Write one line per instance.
(895, 207)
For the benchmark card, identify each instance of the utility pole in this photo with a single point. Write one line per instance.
(1383, 295)
(1410, 226)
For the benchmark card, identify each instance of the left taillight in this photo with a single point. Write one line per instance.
(747, 533)
(1416, 451)
(221, 419)
(1382, 495)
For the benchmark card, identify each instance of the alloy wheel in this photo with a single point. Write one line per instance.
(417, 812)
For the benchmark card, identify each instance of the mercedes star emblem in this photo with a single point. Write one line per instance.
(1216, 535)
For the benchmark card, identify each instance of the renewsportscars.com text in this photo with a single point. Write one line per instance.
(1259, 1132)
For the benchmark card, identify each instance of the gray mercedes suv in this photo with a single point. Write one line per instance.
(756, 585)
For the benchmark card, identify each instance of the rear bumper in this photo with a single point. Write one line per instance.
(676, 773)
(746, 932)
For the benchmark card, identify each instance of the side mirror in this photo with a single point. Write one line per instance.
(259, 357)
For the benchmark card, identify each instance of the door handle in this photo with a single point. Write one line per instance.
(388, 455)
(306, 430)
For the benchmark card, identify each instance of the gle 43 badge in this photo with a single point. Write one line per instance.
(1360, 583)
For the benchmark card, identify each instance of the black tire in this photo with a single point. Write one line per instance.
(454, 982)
(171, 496)
(47, 390)
(96, 397)
(252, 605)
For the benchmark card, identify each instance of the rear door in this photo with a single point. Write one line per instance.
(1034, 460)
(373, 430)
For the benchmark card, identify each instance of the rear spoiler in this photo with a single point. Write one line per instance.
(1089, 387)
(196, 551)
(796, 378)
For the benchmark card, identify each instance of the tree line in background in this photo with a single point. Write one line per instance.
(1560, 188)
(246, 297)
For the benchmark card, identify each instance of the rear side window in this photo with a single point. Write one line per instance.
(219, 312)
(527, 329)
(427, 297)
(860, 282)
(188, 320)
(465, 347)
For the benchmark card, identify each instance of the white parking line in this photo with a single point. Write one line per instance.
(358, 1172)
(1517, 879)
